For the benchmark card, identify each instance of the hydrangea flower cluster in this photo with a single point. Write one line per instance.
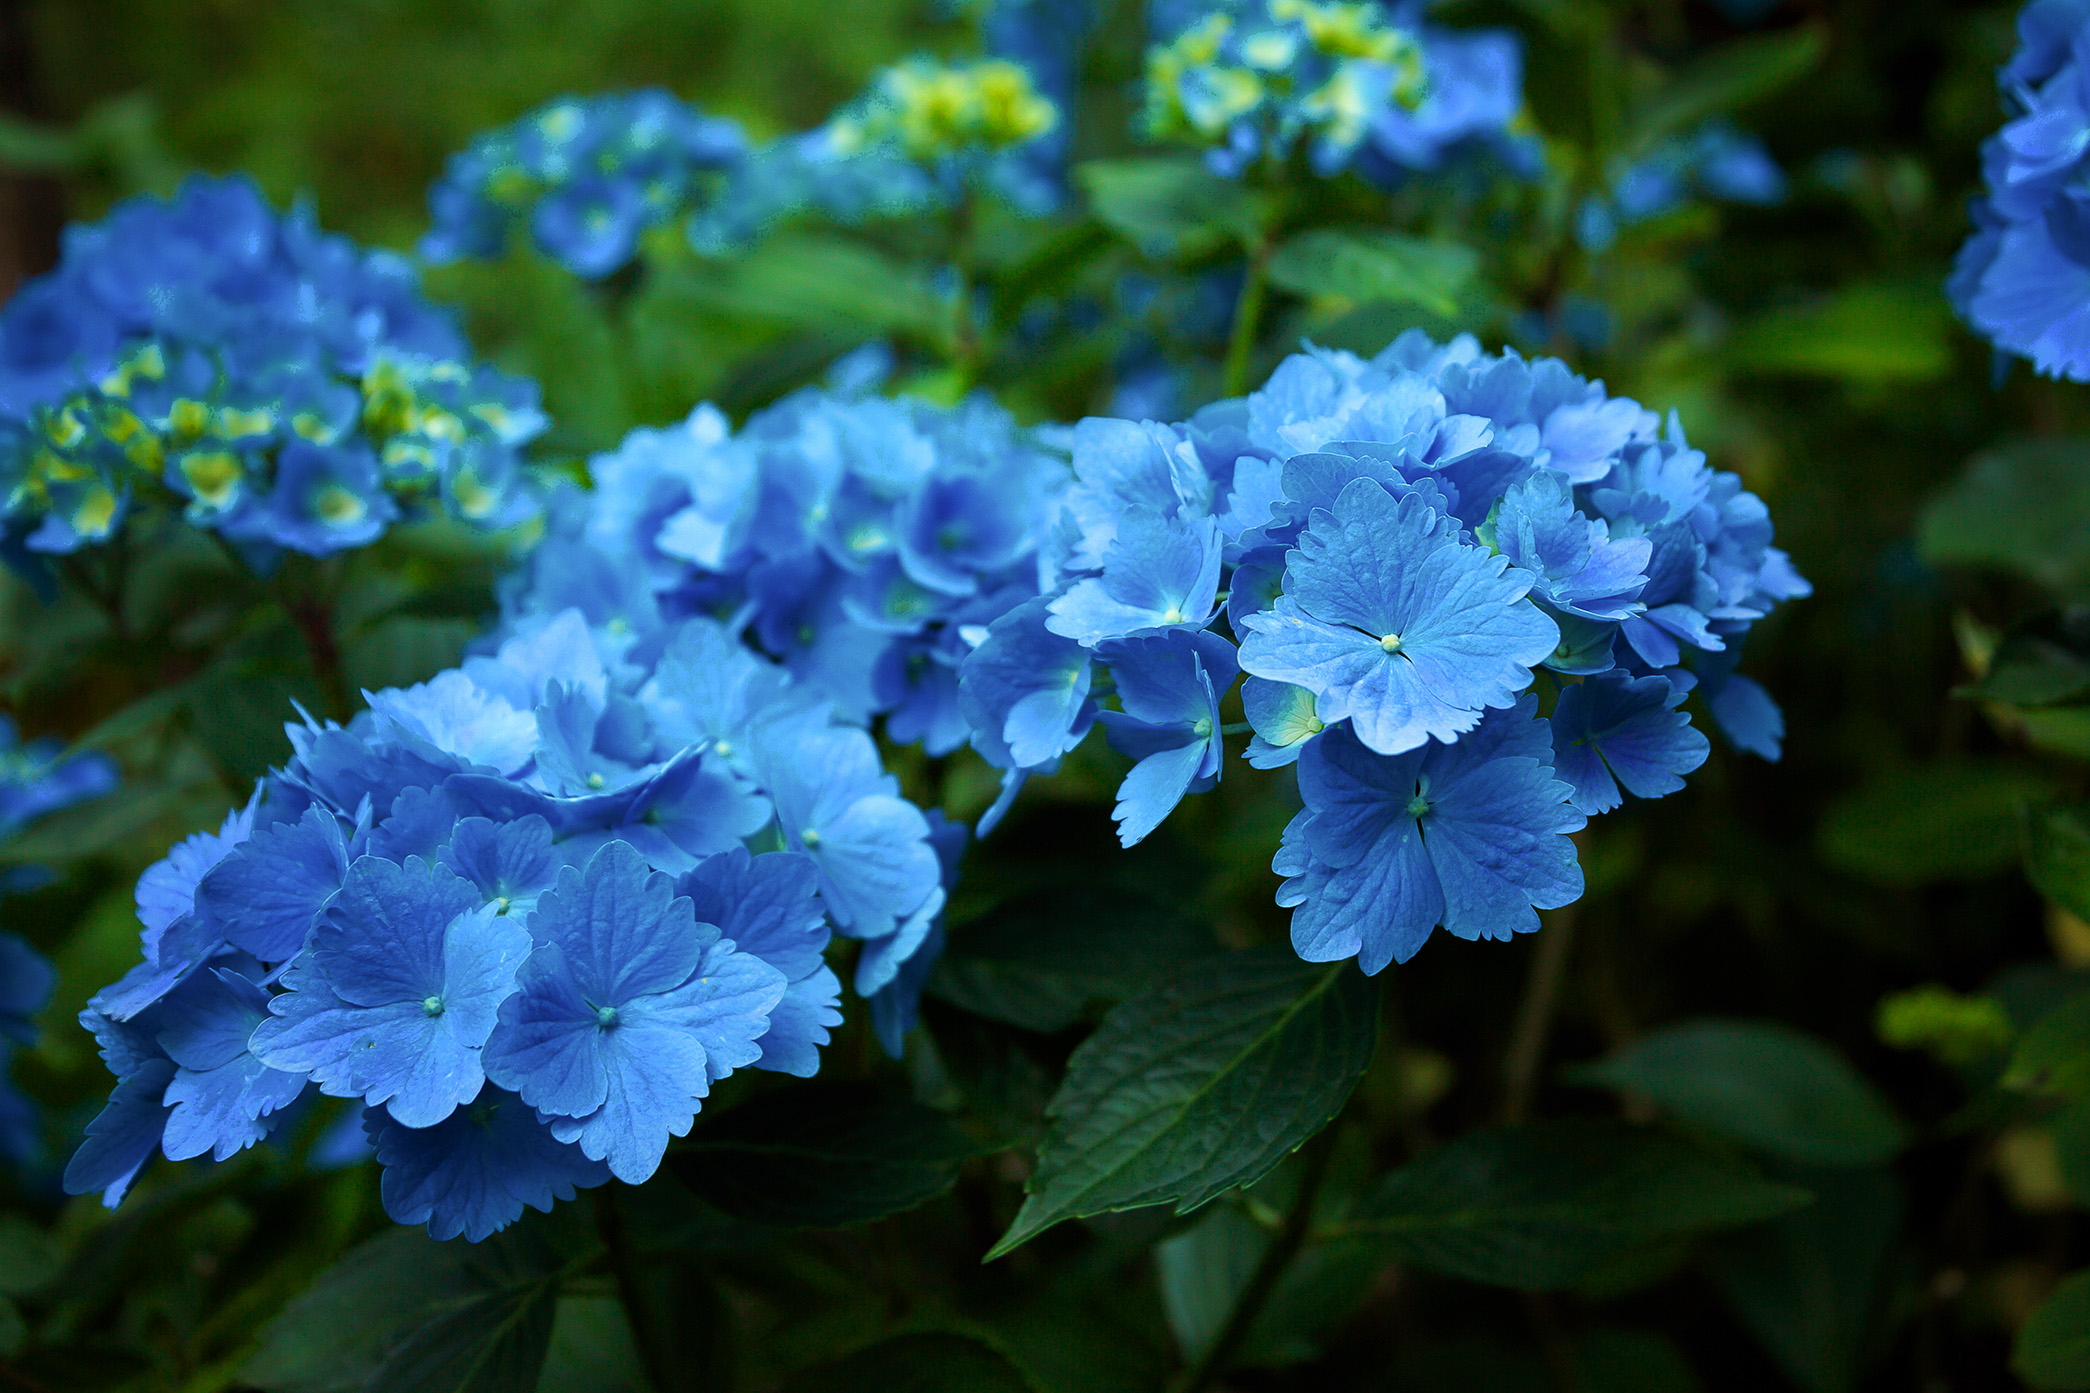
(587, 176)
(273, 383)
(34, 781)
(1359, 87)
(1469, 592)
(923, 136)
(2022, 281)
(1716, 161)
(525, 913)
(862, 542)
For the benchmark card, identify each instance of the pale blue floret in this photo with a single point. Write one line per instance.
(1396, 625)
(626, 1012)
(398, 994)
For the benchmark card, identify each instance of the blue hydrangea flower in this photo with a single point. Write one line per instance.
(587, 176)
(1168, 691)
(446, 857)
(398, 994)
(473, 1172)
(2022, 281)
(210, 357)
(1355, 85)
(1397, 625)
(1613, 730)
(626, 1013)
(1715, 161)
(1471, 836)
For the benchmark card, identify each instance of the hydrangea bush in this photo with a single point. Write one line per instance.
(1055, 556)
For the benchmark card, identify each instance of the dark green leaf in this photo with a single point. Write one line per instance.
(2023, 507)
(403, 1312)
(492, 1344)
(2054, 1055)
(1875, 333)
(2038, 663)
(1541, 1205)
(822, 1155)
(2057, 857)
(1632, 1361)
(1731, 76)
(591, 1348)
(1947, 822)
(1368, 265)
(1171, 208)
(1203, 1270)
(1046, 962)
(1765, 1085)
(932, 1361)
(404, 649)
(1806, 1284)
(1200, 1084)
(2053, 1347)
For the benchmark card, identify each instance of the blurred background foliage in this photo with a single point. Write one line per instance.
(1861, 907)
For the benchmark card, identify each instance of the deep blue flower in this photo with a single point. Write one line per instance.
(1580, 570)
(626, 1012)
(896, 1005)
(1283, 718)
(472, 1172)
(398, 992)
(769, 906)
(1612, 730)
(25, 985)
(1471, 836)
(1169, 688)
(1397, 625)
(1159, 573)
(221, 1096)
(1025, 691)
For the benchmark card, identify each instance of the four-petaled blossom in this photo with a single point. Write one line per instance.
(1613, 730)
(1397, 625)
(626, 1012)
(398, 992)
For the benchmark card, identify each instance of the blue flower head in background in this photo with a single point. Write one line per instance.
(213, 358)
(586, 176)
(1715, 162)
(2022, 281)
(1353, 84)
(35, 779)
(524, 914)
(924, 136)
(1470, 593)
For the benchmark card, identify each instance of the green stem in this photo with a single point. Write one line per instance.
(1527, 1045)
(1248, 314)
(1290, 1238)
(631, 1293)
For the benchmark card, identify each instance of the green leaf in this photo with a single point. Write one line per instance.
(404, 649)
(2024, 508)
(1203, 1270)
(1807, 1283)
(1538, 1206)
(2054, 1055)
(2041, 662)
(814, 280)
(2057, 856)
(1731, 76)
(1946, 822)
(1768, 1086)
(1632, 1361)
(1046, 962)
(1368, 265)
(404, 1314)
(1867, 333)
(931, 1361)
(822, 1155)
(2052, 1349)
(1171, 208)
(1200, 1084)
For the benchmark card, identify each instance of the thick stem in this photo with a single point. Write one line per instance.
(631, 1293)
(1285, 1246)
(315, 622)
(1248, 314)
(1527, 1041)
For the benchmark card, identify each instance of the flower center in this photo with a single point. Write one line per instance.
(605, 1016)
(1391, 643)
(433, 1005)
(1418, 806)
